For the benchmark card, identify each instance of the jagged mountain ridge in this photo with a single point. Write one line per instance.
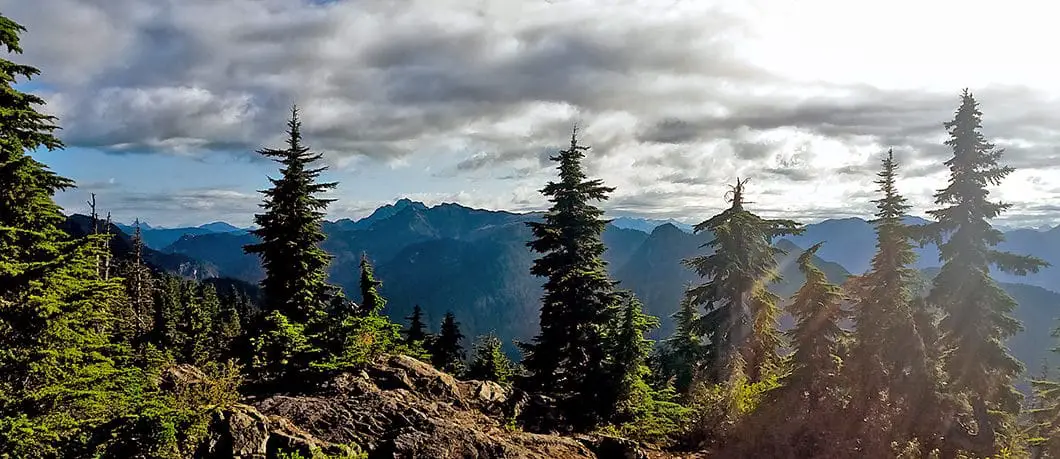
(475, 262)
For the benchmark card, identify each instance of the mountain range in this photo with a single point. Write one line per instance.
(475, 262)
(159, 238)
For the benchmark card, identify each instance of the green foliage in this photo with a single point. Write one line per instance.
(660, 419)
(447, 354)
(977, 312)
(741, 315)
(353, 453)
(172, 419)
(489, 362)
(718, 409)
(678, 361)
(629, 351)
(136, 317)
(568, 357)
(280, 349)
(815, 338)
(352, 339)
(890, 353)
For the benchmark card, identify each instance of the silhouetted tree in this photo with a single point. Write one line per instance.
(295, 287)
(977, 318)
(569, 356)
(741, 314)
(447, 354)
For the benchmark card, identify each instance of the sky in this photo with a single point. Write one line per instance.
(163, 103)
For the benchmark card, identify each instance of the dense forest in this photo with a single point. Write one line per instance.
(882, 364)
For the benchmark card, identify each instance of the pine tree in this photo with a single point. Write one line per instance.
(447, 354)
(684, 350)
(295, 287)
(977, 318)
(890, 370)
(59, 379)
(569, 356)
(741, 315)
(489, 362)
(371, 300)
(817, 310)
(417, 331)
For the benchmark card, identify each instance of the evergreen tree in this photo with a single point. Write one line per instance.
(569, 356)
(59, 376)
(489, 362)
(447, 354)
(630, 353)
(371, 300)
(817, 310)
(295, 288)
(417, 331)
(741, 315)
(136, 320)
(890, 370)
(977, 318)
(228, 326)
(684, 350)
(201, 309)
(1045, 413)
(169, 312)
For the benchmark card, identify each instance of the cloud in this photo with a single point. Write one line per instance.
(169, 208)
(672, 97)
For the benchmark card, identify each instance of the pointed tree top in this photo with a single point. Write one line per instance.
(806, 259)
(574, 140)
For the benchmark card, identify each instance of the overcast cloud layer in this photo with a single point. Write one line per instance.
(676, 98)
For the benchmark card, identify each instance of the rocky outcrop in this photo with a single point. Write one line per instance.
(399, 408)
(243, 432)
(405, 408)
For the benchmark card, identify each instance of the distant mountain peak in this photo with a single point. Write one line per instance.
(648, 225)
(220, 227)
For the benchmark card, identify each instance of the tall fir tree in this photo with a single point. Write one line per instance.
(890, 370)
(59, 376)
(447, 352)
(741, 314)
(290, 231)
(569, 356)
(489, 362)
(371, 300)
(977, 312)
(817, 310)
(295, 285)
(417, 331)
